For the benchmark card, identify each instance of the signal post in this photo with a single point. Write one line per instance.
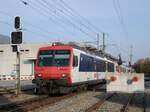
(16, 40)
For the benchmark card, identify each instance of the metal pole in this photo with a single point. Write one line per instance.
(18, 74)
(103, 43)
(98, 42)
(131, 47)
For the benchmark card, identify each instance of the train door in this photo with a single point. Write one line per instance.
(75, 66)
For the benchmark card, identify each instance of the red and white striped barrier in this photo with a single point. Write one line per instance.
(7, 77)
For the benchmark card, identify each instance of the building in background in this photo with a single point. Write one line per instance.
(4, 39)
(8, 60)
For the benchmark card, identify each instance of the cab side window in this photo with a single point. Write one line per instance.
(75, 61)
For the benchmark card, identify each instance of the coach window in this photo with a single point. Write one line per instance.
(75, 61)
(110, 67)
(101, 67)
(90, 64)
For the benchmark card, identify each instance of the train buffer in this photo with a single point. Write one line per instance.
(125, 82)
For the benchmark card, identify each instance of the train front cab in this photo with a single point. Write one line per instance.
(53, 69)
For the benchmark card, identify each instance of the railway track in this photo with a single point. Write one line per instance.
(144, 102)
(99, 103)
(125, 107)
(131, 102)
(33, 104)
(4, 90)
(10, 93)
(36, 103)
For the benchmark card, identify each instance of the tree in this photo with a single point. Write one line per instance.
(142, 66)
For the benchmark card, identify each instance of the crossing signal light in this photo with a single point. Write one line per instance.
(16, 37)
(17, 22)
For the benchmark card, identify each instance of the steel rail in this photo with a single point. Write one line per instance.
(99, 103)
(33, 104)
(125, 107)
(144, 102)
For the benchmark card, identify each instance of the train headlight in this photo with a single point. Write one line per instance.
(63, 75)
(39, 75)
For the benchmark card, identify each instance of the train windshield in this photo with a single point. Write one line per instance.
(54, 58)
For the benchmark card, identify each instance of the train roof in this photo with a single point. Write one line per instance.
(80, 46)
(56, 47)
(93, 50)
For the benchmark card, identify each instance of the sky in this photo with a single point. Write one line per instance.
(125, 23)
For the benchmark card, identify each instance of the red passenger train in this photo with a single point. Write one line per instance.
(64, 68)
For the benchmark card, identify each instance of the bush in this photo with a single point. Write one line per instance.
(142, 66)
